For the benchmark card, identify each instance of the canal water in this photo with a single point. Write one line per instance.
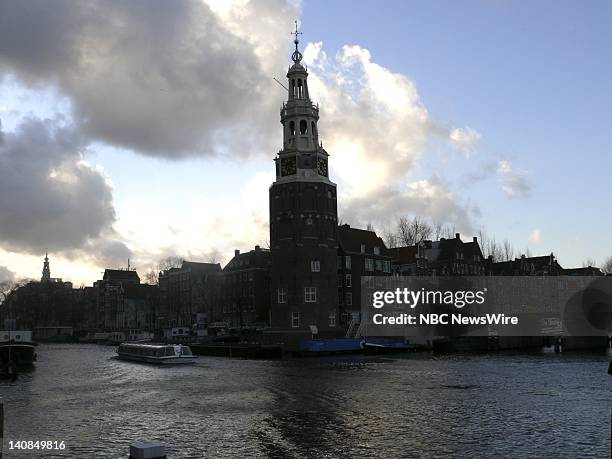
(415, 405)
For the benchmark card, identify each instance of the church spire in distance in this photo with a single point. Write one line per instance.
(46, 272)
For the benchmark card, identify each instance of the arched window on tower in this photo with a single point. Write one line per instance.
(292, 128)
(313, 128)
(292, 86)
(303, 127)
(299, 87)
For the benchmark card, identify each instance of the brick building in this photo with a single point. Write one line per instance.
(187, 294)
(245, 292)
(303, 221)
(360, 253)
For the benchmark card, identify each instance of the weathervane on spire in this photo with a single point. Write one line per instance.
(296, 56)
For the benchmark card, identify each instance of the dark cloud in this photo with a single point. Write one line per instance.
(158, 77)
(50, 198)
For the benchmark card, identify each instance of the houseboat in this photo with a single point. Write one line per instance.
(155, 353)
(16, 350)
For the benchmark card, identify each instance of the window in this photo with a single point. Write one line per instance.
(315, 266)
(387, 266)
(349, 299)
(369, 264)
(347, 261)
(281, 293)
(313, 128)
(332, 318)
(339, 263)
(310, 294)
(340, 280)
(379, 266)
(362, 248)
(303, 127)
(295, 319)
(349, 280)
(376, 250)
(292, 128)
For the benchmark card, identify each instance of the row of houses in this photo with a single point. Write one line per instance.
(195, 298)
(200, 295)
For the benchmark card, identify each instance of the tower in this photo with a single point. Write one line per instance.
(46, 272)
(303, 218)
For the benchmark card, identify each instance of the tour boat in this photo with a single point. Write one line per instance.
(155, 353)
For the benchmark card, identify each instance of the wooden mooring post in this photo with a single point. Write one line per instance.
(1, 428)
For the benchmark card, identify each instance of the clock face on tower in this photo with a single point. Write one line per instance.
(322, 166)
(288, 166)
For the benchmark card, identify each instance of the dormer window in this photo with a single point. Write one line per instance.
(376, 250)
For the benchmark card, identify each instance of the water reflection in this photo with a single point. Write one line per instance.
(504, 405)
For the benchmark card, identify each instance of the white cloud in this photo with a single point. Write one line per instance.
(376, 129)
(6, 274)
(204, 84)
(514, 181)
(465, 139)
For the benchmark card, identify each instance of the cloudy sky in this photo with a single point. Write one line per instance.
(143, 129)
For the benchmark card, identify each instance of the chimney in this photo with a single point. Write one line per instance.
(257, 248)
(236, 252)
(474, 239)
(457, 235)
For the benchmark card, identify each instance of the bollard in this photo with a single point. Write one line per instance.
(609, 370)
(1, 428)
(147, 450)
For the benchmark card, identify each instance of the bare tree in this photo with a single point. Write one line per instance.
(507, 250)
(494, 250)
(411, 231)
(528, 252)
(440, 230)
(213, 256)
(483, 240)
(606, 266)
(390, 239)
(170, 262)
(588, 263)
(151, 277)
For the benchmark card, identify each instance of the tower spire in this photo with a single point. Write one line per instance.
(296, 56)
(46, 272)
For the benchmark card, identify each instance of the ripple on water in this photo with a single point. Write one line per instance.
(355, 406)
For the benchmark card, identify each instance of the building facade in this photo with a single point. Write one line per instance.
(303, 219)
(245, 296)
(186, 295)
(360, 253)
